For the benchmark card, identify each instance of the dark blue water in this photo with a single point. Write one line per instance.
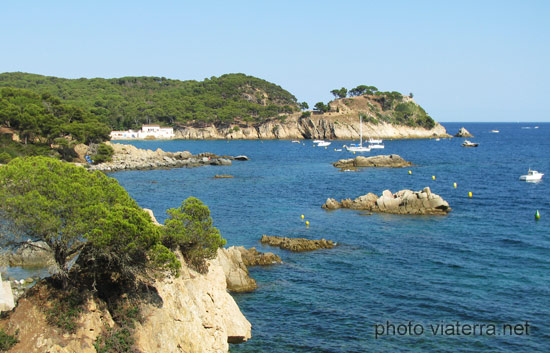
(487, 262)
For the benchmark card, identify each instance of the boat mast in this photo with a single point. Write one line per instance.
(360, 130)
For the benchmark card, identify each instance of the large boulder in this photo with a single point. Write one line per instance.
(462, 132)
(403, 202)
(381, 161)
(297, 244)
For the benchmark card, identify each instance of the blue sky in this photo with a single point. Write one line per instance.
(462, 60)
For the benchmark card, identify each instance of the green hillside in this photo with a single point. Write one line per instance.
(129, 102)
(41, 122)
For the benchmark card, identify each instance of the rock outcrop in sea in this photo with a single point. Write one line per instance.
(403, 202)
(462, 132)
(381, 161)
(129, 157)
(297, 244)
(235, 261)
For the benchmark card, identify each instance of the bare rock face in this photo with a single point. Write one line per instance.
(197, 315)
(381, 161)
(403, 202)
(236, 273)
(297, 244)
(463, 133)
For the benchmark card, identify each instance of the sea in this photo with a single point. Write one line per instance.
(476, 280)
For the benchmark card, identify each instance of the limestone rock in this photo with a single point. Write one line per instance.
(297, 244)
(236, 273)
(37, 254)
(381, 161)
(197, 315)
(331, 204)
(129, 157)
(402, 202)
(253, 257)
(462, 132)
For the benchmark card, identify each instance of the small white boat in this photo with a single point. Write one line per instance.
(323, 143)
(295, 141)
(358, 147)
(495, 131)
(438, 139)
(467, 143)
(374, 141)
(532, 175)
(317, 141)
(376, 145)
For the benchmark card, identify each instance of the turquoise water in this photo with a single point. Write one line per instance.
(487, 262)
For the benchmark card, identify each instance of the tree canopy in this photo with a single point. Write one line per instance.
(129, 102)
(81, 215)
(43, 117)
(190, 229)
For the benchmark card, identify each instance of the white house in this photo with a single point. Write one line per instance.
(146, 132)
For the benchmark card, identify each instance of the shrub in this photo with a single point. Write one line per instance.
(104, 154)
(5, 157)
(189, 228)
(7, 341)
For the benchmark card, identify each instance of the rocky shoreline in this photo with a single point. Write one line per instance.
(129, 157)
(403, 202)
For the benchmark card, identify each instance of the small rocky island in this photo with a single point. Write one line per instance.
(381, 161)
(462, 132)
(403, 202)
(297, 244)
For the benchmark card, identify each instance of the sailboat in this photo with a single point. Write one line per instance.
(359, 147)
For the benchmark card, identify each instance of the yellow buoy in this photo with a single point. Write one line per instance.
(454, 185)
(325, 148)
(410, 172)
(537, 215)
(433, 177)
(307, 224)
(302, 216)
(353, 152)
(470, 194)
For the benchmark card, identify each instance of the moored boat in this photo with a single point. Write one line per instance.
(532, 175)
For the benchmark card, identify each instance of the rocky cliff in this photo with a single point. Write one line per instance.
(196, 314)
(342, 122)
(325, 126)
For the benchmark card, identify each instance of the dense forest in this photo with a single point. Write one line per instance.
(42, 121)
(129, 102)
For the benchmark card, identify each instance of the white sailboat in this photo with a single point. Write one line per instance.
(359, 147)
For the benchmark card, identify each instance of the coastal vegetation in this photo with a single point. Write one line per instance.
(128, 102)
(190, 229)
(82, 216)
(389, 107)
(102, 242)
(45, 125)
